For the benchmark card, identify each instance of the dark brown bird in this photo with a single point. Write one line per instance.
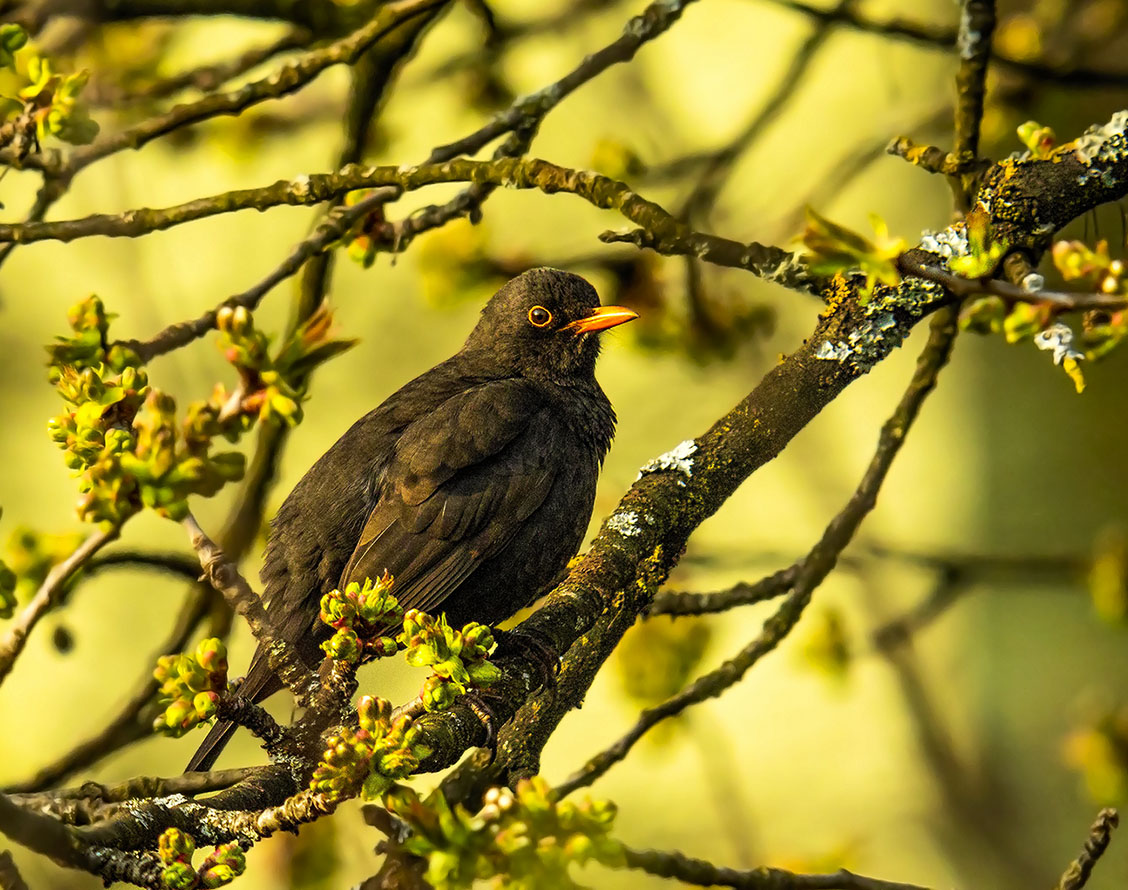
(472, 485)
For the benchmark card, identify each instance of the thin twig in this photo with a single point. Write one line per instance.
(659, 231)
(91, 801)
(209, 77)
(328, 232)
(977, 24)
(225, 577)
(522, 120)
(1077, 873)
(47, 596)
(1058, 302)
(530, 110)
(1068, 74)
(174, 563)
(676, 602)
(288, 78)
(672, 864)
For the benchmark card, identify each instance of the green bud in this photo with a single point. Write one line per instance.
(229, 465)
(180, 716)
(477, 640)
(483, 673)
(205, 704)
(344, 645)
(374, 713)
(211, 655)
(175, 845)
(438, 693)
(118, 439)
(222, 866)
(179, 876)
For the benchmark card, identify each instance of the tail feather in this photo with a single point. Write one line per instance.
(212, 747)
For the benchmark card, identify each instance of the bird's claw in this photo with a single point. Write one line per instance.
(479, 702)
(543, 656)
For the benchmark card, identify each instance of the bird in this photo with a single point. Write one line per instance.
(472, 485)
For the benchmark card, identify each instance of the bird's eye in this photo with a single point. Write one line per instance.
(539, 316)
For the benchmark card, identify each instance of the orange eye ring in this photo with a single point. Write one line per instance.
(540, 317)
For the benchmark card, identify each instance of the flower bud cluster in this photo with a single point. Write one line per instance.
(272, 387)
(121, 435)
(362, 615)
(457, 658)
(525, 839)
(52, 101)
(369, 759)
(175, 849)
(190, 687)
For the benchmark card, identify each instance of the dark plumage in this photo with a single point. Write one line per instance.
(473, 484)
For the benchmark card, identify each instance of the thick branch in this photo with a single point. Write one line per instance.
(812, 571)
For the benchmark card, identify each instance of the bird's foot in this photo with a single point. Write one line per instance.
(479, 702)
(543, 656)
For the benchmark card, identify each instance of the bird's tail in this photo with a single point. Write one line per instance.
(212, 747)
(259, 683)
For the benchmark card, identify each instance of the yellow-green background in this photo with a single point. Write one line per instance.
(789, 767)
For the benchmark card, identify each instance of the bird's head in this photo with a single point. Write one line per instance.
(543, 324)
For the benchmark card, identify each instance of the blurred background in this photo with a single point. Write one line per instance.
(973, 754)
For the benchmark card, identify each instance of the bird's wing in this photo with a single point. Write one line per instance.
(459, 485)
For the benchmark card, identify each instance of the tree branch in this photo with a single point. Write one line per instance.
(47, 596)
(673, 602)
(812, 570)
(225, 578)
(1100, 834)
(946, 38)
(672, 864)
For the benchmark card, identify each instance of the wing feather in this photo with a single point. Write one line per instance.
(461, 482)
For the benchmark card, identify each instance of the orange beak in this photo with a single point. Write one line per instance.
(602, 318)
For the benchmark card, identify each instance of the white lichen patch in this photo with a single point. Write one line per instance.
(1033, 283)
(624, 523)
(969, 39)
(1106, 143)
(950, 242)
(879, 331)
(301, 185)
(1058, 337)
(679, 460)
(836, 352)
(791, 272)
